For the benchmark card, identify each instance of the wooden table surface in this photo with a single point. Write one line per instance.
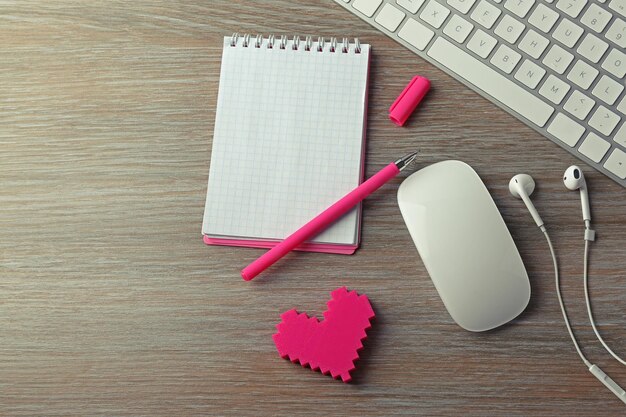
(111, 305)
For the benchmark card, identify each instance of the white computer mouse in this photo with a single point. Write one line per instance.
(465, 245)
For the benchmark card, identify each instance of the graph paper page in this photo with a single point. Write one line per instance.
(288, 140)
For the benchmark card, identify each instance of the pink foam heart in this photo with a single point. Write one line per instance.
(332, 345)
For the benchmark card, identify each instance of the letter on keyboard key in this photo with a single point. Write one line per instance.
(485, 14)
(543, 18)
(491, 82)
(390, 17)
(616, 163)
(594, 147)
(416, 34)
(481, 44)
(607, 90)
(367, 7)
(509, 29)
(567, 33)
(529, 73)
(458, 28)
(582, 74)
(434, 14)
(411, 5)
(505, 58)
(519, 7)
(554, 89)
(558, 59)
(592, 48)
(533, 44)
(566, 130)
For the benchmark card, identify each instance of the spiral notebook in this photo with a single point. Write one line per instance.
(289, 140)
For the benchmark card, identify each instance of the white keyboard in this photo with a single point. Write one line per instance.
(557, 65)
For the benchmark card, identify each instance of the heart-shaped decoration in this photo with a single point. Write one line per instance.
(332, 345)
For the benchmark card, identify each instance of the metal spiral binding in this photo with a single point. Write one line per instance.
(257, 42)
(344, 46)
(296, 43)
(233, 39)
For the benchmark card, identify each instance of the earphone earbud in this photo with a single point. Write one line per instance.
(522, 186)
(574, 179)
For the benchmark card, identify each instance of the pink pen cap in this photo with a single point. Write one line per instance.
(408, 100)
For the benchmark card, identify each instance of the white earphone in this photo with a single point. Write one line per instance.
(574, 179)
(522, 186)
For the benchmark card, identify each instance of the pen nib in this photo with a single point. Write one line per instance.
(406, 160)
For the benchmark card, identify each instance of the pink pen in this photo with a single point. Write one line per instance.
(325, 218)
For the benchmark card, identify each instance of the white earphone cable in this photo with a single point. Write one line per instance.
(588, 302)
(558, 294)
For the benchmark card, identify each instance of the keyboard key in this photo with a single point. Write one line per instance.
(571, 7)
(530, 74)
(543, 18)
(458, 28)
(434, 14)
(616, 163)
(554, 89)
(411, 6)
(519, 7)
(558, 59)
(607, 90)
(485, 14)
(615, 63)
(579, 105)
(509, 29)
(416, 34)
(617, 33)
(619, 6)
(622, 106)
(505, 58)
(568, 33)
(596, 18)
(594, 147)
(620, 136)
(566, 130)
(367, 7)
(491, 82)
(604, 120)
(592, 48)
(582, 74)
(481, 44)
(533, 44)
(462, 6)
(390, 17)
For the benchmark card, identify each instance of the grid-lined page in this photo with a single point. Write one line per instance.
(288, 140)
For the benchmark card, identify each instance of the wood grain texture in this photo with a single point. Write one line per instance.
(111, 305)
